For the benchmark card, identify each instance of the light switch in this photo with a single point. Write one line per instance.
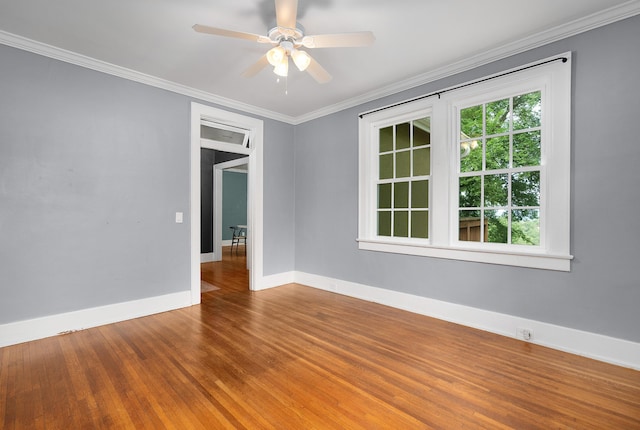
(179, 217)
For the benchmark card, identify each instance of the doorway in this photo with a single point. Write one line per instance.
(223, 198)
(221, 201)
(225, 131)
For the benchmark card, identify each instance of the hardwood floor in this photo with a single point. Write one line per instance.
(230, 274)
(298, 358)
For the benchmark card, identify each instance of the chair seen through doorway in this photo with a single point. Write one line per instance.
(239, 236)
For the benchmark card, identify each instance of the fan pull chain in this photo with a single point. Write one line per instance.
(286, 85)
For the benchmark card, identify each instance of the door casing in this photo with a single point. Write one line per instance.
(200, 113)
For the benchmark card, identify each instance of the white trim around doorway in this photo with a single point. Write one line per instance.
(200, 113)
(217, 206)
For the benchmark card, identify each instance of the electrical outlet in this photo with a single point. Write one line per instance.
(524, 333)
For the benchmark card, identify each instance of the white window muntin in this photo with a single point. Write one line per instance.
(370, 167)
(484, 96)
(554, 79)
(412, 119)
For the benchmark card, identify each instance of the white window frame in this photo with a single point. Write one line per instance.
(554, 80)
(242, 148)
(398, 119)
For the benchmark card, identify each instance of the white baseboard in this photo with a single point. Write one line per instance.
(276, 280)
(603, 348)
(207, 257)
(38, 328)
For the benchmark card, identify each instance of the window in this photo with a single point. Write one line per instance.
(224, 134)
(404, 161)
(480, 173)
(499, 171)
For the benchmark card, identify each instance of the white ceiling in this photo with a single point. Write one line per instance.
(416, 41)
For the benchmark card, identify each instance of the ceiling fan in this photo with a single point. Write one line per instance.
(287, 38)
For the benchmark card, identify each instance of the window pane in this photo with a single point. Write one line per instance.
(420, 194)
(403, 164)
(222, 134)
(496, 190)
(401, 195)
(471, 122)
(421, 161)
(471, 156)
(497, 223)
(384, 196)
(384, 223)
(526, 149)
(498, 153)
(401, 224)
(470, 230)
(386, 166)
(422, 132)
(420, 224)
(386, 139)
(498, 117)
(470, 192)
(525, 227)
(526, 110)
(403, 136)
(525, 189)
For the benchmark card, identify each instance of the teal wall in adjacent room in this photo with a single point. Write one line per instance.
(234, 201)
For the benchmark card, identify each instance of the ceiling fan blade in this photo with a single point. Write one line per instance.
(230, 33)
(286, 12)
(318, 72)
(256, 67)
(340, 40)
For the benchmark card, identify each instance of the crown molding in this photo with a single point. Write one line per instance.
(608, 16)
(71, 57)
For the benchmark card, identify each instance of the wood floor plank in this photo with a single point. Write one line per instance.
(297, 358)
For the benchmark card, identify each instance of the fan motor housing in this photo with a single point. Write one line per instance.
(278, 34)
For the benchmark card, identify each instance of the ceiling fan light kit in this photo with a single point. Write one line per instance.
(276, 55)
(287, 37)
(282, 69)
(301, 59)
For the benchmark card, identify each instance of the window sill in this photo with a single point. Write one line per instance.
(519, 259)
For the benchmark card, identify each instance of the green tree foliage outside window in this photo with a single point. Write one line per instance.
(500, 170)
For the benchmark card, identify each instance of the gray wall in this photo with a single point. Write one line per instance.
(279, 244)
(601, 294)
(92, 171)
(93, 168)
